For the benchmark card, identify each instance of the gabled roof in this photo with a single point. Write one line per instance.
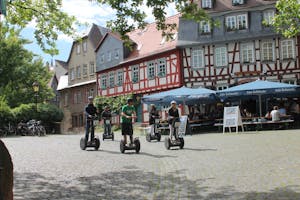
(115, 35)
(63, 82)
(60, 69)
(95, 34)
(150, 41)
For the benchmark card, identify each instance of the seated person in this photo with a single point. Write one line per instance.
(275, 114)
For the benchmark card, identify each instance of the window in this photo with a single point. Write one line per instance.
(151, 70)
(104, 81)
(135, 73)
(72, 74)
(111, 79)
(267, 49)
(84, 46)
(84, 70)
(117, 54)
(66, 99)
(220, 56)
(239, 22)
(78, 49)
(287, 49)
(206, 3)
(161, 67)
(290, 81)
(120, 78)
(230, 23)
(205, 27)
(247, 52)
(108, 56)
(237, 2)
(197, 58)
(77, 97)
(268, 16)
(92, 69)
(222, 87)
(102, 58)
(90, 92)
(78, 71)
(242, 22)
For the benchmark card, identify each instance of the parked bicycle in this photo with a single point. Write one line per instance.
(36, 128)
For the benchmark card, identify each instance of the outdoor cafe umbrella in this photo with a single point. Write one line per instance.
(182, 95)
(260, 88)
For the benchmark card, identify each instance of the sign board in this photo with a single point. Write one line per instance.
(232, 118)
(182, 126)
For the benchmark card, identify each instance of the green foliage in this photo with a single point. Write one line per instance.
(49, 18)
(287, 20)
(5, 113)
(19, 69)
(47, 113)
(133, 11)
(115, 103)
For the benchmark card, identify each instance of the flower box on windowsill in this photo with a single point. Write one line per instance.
(161, 74)
(135, 80)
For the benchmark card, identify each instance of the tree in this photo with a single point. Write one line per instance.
(287, 21)
(19, 69)
(49, 18)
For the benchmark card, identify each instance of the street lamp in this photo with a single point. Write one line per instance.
(36, 88)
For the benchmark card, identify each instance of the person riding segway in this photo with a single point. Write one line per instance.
(154, 133)
(174, 122)
(106, 116)
(128, 115)
(90, 115)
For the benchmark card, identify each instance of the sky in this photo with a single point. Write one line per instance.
(85, 12)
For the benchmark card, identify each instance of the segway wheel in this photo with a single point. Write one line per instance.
(148, 137)
(122, 146)
(112, 136)
(97, 143)
(137, 145)
(103, 137)
(167, 143)
(82, 143)
(158, 136)
(181, 143)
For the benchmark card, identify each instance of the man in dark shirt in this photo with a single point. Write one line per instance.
(90, 112)
(106, 116)
(173, 114)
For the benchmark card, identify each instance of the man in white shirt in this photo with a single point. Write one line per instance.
(275, 114)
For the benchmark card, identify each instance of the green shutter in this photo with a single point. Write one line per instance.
(3, 7)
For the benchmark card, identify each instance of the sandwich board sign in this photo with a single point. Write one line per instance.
(232, 118)
(182, 126)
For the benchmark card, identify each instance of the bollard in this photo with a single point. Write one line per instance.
(6, 174)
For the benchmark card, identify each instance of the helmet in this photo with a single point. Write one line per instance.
(90, 97)
(173, 102)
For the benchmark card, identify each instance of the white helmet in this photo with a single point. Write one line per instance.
(173, 102)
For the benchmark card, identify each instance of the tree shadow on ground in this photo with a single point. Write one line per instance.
(135, 184)
(199, 149)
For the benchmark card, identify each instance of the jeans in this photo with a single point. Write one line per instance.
(107, 128)
(89, 127)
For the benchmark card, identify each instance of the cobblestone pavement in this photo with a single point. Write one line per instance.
(254, 165)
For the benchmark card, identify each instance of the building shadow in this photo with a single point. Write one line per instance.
(133, 183)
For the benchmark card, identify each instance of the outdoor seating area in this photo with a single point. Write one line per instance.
(255, 100)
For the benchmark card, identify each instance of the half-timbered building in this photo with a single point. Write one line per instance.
(241, 48)
(152, 64)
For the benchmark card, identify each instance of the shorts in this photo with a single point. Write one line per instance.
(127, 129)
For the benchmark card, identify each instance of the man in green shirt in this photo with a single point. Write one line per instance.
(128, 113)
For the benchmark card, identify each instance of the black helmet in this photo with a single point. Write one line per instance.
(129, 100)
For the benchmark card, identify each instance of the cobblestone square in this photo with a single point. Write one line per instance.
(252, 165)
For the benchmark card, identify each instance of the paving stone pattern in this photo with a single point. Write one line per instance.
(254, 165)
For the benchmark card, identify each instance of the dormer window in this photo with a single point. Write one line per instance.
(204, 27)
(206, 3)
(268, 16)
(237, 22)
(238, 2)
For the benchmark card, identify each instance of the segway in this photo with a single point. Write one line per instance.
(106, 134)
(177, 140)
(94, 142)
(135, 146)
(156, 135)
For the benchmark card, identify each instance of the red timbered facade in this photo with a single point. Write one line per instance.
(242, 49)
(154, 65)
